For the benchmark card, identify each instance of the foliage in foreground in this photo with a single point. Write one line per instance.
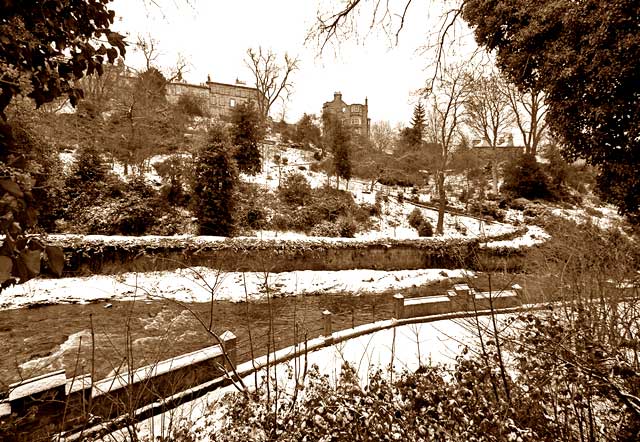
(570, 373)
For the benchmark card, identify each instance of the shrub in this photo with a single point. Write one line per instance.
(425, 228)
(191, 105)
(487, 208)
(247, 133)
(420, 223)
(134, 217)
(255, 218)
(523, 177)
(464, 196)
(347, 227)
(371, 209)
(326, 229)
(295, 190)
(172, 171)
(381, 198)
(397, 178)
(415, 218)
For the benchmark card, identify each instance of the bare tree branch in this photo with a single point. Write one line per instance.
(489, 114)
(529, 109)
(272, 80)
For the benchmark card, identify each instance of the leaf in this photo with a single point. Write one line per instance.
(11, 187)
(31, 261)
(6, 265)
(55, 256)
(35, 244)
(112, 54)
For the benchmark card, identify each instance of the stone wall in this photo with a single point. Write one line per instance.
(52, 402)
(86, 256)
(462, 298)
(99, 255)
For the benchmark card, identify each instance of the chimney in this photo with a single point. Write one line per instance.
(337, 96)
(510, 140)
(366, 101)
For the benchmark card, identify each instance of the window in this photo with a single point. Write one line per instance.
(232, 102)
(344, 109)
(356, 108)
(356, 121)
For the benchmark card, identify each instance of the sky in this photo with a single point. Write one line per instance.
(214, 37)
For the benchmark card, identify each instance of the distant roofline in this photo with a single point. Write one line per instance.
(242, 86)
(348, 104)
(177, 83)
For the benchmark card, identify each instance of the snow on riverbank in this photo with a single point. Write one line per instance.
(196, 284)
(535, 235)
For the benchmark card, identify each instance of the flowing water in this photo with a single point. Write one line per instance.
(102, 338)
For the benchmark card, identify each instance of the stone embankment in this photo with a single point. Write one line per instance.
(87, 255)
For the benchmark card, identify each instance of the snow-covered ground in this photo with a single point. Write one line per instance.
(534, 235)
(199, 283)
(603, 217)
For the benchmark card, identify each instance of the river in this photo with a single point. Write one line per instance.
(103, 337)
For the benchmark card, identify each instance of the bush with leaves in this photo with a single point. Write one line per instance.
(487, 209)
(214, 181)
(295, 190)
(191, 105)
(173, 171)
(523, 177)
(325, 229)
(420, 223)
(254, 207)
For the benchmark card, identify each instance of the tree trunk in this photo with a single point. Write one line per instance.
(494, 171)
(442, 201)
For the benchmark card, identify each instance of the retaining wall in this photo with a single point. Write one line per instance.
(86, 255)
(52, 402)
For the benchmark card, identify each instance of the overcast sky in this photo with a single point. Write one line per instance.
(215, 35)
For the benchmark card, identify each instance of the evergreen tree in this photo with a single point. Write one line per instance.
(306, 132)
(341, 148)
(215, 178)
(412, 136)
(247, 133)
(419, 119)
(89, 169)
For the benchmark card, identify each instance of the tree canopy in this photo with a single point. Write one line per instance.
(46, 46)
(246, 135)
(584, 57)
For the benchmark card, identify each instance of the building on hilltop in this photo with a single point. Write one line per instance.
(354, 116)
(219, 99)
(505, 143)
